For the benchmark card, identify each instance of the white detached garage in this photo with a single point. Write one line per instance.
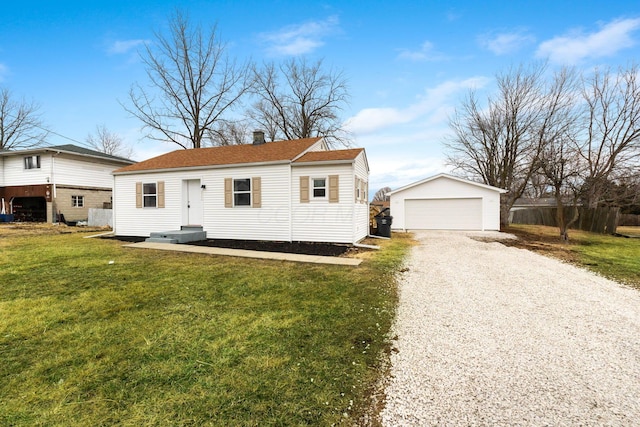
(445, 202)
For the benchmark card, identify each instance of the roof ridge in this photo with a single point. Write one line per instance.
(276, 151)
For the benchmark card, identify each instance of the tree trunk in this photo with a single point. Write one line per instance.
(505, 207)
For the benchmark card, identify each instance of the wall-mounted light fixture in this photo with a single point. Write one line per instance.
(47, 180)
(204, 187)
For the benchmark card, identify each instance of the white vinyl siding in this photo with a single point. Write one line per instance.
(278, 212)
(269, 222)
(130, 220)
(72, 171)
(15, 173)
(320, 220)
(361, 210)
(59, 169)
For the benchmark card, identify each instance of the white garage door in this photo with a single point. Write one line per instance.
(443, 214)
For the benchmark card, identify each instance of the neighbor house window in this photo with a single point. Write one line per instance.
(319, 188)
(32, 162)
(77, 201)
(149, 195)
(242, 192)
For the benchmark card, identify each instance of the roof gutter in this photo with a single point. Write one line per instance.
(324, 162)
(57, 152)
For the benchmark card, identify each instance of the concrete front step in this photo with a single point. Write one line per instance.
(160, 240)
(191, 228)
(185, 235)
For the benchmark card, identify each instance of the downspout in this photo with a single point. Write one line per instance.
(54, 213)
(113, 205)
(353, 204)
(290, 202)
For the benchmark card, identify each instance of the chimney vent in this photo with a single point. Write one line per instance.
(258, 137)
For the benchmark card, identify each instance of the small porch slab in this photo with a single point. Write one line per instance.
(186, 234)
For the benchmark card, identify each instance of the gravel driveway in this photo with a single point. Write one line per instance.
(493, 335)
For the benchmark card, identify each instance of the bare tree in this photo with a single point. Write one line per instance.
(382, 195)
(109, 142)
(193, 84)
(559, 161)
(501, 143)
(611, 144)
(20, 123)
(299, 100)
(229, 133)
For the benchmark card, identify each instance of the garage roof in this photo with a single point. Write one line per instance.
(444, 175)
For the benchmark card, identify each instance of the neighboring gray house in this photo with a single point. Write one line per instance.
(38, 183)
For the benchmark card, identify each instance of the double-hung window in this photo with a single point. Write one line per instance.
(77, 201)
(242, 192)
(319, 188)
(32, 162)
(149, 195)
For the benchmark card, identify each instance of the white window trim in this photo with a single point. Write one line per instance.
(234, 192)
(312, 195)
(145, 195)
(75, 199)
(35, 162)
(363, 192)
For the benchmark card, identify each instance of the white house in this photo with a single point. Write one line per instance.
(278, 191)
(37, 184)
(445, 202)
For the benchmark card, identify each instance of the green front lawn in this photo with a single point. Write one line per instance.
(159, 338)
(614, 257)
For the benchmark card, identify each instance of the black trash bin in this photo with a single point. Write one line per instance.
(384, 225)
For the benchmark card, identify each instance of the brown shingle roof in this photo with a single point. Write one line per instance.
(228, 155)
(323, 156)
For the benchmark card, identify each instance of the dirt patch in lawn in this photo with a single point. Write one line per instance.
(545, 244)
(43, 228)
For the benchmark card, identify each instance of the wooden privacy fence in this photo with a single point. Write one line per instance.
(596, 220)
(629, 219)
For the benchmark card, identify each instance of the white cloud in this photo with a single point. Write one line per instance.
(300, 39)
(396, 173)
(505, 43)
(405, 144)
(150, 149)
(124, 46)
(425, 53)
(576, 45)
(435, 102)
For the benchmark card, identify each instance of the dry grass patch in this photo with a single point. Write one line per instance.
(8, 229)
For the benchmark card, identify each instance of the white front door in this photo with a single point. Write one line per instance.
(191, 202)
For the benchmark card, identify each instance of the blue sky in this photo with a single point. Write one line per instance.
(409, 64)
